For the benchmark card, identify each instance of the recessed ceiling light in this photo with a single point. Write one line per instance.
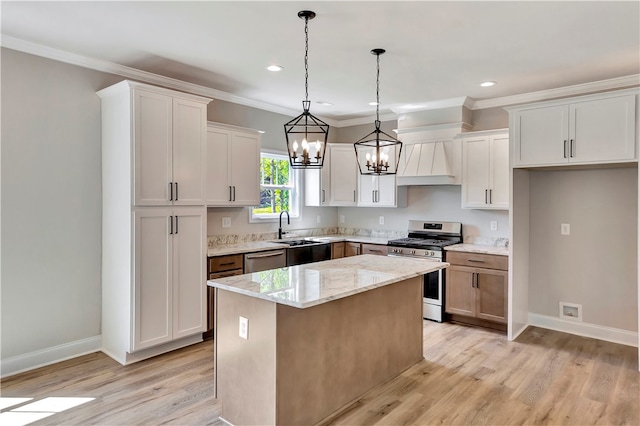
(275, 68)
(488, 84)
(374, 103)
(324, 103)
(261, 132)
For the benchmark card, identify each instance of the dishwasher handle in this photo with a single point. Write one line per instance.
(261, 256)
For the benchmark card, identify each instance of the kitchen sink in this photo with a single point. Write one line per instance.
(294, 243)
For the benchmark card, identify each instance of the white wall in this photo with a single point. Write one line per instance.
(596, 265)
(51, 189)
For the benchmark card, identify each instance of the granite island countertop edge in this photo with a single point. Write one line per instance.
(406, 268)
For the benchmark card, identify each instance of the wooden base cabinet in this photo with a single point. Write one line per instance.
(477, 292)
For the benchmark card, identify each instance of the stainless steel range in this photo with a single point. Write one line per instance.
(427, 240)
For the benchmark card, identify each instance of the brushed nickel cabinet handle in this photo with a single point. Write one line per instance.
(564, 150)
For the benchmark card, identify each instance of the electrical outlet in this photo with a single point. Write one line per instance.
(226, 222)
(341, 218)
(318, 219)
(565, 229)
(243, 328)
(494, 225)
(381, 220)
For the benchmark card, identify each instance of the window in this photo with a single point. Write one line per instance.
(278, 187)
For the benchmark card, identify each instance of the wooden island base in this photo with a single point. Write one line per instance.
(298, 366)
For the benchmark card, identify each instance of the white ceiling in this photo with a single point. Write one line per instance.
(436, 51)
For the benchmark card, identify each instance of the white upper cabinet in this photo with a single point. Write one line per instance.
(233, 166)
(317, 184)
(485, 165)
(344, 175)
(595, 129)
(166, 132)
(337, 182)
(380, 191)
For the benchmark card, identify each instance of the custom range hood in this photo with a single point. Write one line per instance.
(432, 155)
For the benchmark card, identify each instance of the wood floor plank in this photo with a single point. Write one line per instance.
(470, 376)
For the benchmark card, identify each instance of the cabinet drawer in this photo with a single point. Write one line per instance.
(478, 260)
(225, 263)
(377, 249)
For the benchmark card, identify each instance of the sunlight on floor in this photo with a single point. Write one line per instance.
(37, 410)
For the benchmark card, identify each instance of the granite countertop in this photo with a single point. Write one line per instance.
(241, 248)
(477, 248)
(316, 283)
(254, 246)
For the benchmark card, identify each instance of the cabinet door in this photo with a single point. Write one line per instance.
(337, 250)
(368, 185)
(344, 175)
(499, 172)
(476, 163)
(245, 169)
(152, 145)
(189, 283)
(351, 249)
(218, 185)
(386, 196)
(189, 143)
(541, 136)
(603, 130)
(460, 294)
(152, 310)
(317, 185)
(491, 295)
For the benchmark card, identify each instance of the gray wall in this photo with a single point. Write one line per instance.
(596, 265)
(51, 203)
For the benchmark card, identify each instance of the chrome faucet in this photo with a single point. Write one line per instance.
(280, 227)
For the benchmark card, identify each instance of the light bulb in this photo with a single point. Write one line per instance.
(295, 146)
(318, 145)
(305, 145)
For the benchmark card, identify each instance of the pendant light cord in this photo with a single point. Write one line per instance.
(306, 58)
(378, 92)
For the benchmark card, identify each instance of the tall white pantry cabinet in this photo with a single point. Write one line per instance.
(153, 220)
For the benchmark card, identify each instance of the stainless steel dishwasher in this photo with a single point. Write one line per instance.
(261, 261)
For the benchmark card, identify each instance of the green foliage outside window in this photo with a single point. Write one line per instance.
(275, 185)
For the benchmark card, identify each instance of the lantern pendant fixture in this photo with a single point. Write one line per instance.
(306, 135)
(378, 153)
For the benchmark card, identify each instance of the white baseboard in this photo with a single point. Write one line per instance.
(609, 334)
(47, 356)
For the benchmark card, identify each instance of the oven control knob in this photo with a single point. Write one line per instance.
(413, 252)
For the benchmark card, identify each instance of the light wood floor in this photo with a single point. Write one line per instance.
(469, 376)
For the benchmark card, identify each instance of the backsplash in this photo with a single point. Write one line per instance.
(214, 240)
(486, 241)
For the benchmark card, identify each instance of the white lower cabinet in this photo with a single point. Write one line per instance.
(169, 291)
(153, 288)
(485, 170)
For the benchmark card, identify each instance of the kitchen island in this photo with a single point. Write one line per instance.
(318, 336)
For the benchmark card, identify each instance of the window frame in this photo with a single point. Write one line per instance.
(296, 190)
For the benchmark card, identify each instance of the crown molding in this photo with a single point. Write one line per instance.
(139, 75)
(560, 92)
(172, 83)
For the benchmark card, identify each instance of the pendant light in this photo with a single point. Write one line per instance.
(378, 153)
(306, 135)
